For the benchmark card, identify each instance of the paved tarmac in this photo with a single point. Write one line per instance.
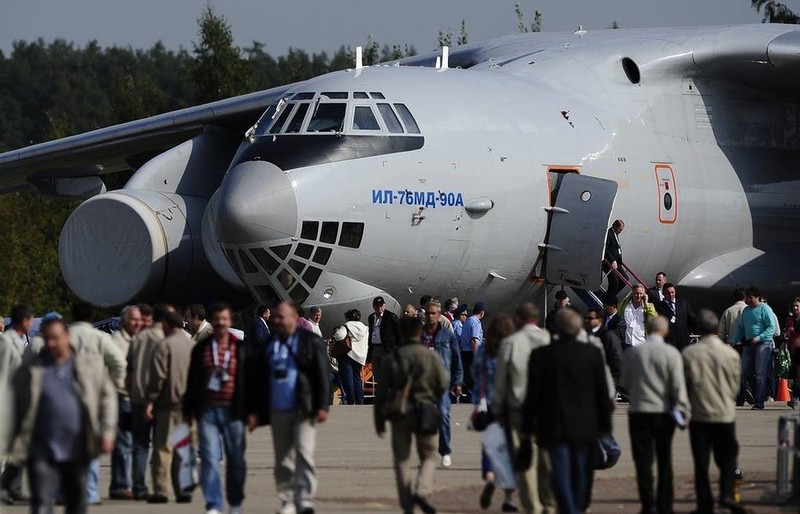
(356, 474)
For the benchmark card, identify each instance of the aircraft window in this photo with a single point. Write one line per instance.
(304, 251)
(297, 266)
(299, 294)
(390, 118)
(408, 119)
(335, 96)
(303, 96)
(322, 255)
(297, 119)
(330, 229)
(310, 230)
(264, 121)
(360, 95)
(311, 276)
(282, 119)
(377, 96)
(231, 256)
(267, 294)
(281, 251)
(329, 117)
(247, 264)
(286, 279)
(266, 261)
(364, 119)
(351, 235)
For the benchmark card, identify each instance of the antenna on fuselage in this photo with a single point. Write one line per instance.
(359, 58)
(445, 57)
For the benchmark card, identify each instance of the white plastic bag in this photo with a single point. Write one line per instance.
(495, 444)
(181, 440)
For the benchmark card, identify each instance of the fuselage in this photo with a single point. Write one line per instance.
(490, 136)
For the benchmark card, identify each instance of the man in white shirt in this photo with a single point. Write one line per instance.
(635, 315)
(315, 317)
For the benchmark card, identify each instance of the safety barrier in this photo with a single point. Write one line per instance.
(788, 475)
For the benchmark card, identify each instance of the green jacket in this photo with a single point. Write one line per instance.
(94, 388)
(417, 364)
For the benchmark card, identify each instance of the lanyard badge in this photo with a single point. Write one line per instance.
(220, 373)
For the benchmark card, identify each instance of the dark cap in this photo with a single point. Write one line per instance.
(378, 301)
(461, 310)
(479, 307)
(561, 295)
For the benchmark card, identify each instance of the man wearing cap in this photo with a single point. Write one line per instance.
(562, 300)
(384, 334)
(459, 317)
(471, 339)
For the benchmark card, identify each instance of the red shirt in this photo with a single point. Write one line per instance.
(224, 396)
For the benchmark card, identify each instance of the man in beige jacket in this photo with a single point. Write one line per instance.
(66, 416)
(510, 389)
(140, 357)
(713, 374)
(169, 371)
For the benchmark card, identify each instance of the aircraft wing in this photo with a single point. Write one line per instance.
(128, 145)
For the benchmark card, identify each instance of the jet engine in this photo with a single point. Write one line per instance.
(145, 242)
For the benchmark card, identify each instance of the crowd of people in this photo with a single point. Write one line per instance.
(542, 390)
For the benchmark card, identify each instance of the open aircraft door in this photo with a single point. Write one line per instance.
(578, 219)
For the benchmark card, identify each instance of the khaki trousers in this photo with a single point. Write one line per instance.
(294, 439)
(164, 463)
(535, 489)
(427, 452)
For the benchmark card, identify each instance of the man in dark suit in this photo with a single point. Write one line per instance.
(613, 258)
(593, 323)
(655, 294)
(384, 334)
(682, 320)
(568, 408)
(259, 334)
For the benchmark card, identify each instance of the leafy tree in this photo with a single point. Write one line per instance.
(523, 26)
(614, 25)
(218, 70)
(446, 38)
(775, 12)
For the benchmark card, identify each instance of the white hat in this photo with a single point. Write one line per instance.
(339, 334)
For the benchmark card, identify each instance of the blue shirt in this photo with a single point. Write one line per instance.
(756, 323)
(457, 326)
(472, 330)
(283, 376)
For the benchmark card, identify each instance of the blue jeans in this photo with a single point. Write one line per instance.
(122, 456)
(350, 377)
(218, 431)
(141, 430)
(755, 360)
(570, 475)
(444, 428)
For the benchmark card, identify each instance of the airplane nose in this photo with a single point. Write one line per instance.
(256, 203)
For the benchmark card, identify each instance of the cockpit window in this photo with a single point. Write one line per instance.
(329, 117)
(287, 111)
(297, 119)
(303, 96)
(360, 95)
(335, 96)
(364, 119)
(377, 96)
(390, 118)
(408, 119)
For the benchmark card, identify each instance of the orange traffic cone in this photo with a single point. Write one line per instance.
(783, 390)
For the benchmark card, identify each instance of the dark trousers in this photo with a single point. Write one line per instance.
(352, 385)
(122, 455)
(615, 284)
(47, 477)
(569, 463)
(466, 361)
(142, 437)
(651, 439)
(721, 438)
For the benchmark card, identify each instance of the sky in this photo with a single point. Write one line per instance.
(316, 25)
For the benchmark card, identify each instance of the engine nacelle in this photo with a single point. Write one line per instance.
(133, 245)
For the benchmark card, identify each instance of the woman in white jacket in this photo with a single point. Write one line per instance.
(350, 366)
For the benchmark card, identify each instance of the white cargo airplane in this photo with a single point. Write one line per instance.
(465, 174)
